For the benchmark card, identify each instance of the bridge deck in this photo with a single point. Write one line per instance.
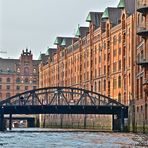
(65, 109)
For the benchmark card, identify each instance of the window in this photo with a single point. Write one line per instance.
(104, 45)
(99, 59)
(26, 87)
(8, 80)
(34, 87)
(18, 70)
(119, 65)
(114, 67)
(114, 40)
(119, 81)
(104, 57)
(26, 80)
(114, 83)
(0, 87)
(95, 87)
(34, 80)
(8, 87)
(0, 80)
(119, 97)
(137, 109)
(114, 52)
(34, 70)
(119, 52)
(26, 71)
(17, 87)
(104, 85)
(8, 95)
(18, 80)
(104, 69)
(119, 38)
(99, 86)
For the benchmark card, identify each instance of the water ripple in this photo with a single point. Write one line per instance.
(70, 140)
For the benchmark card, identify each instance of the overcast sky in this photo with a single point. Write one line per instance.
(34, 24)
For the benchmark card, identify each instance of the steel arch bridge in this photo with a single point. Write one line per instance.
(62, 100)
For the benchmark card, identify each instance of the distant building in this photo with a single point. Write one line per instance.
(18, 75)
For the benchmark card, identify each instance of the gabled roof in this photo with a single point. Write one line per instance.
(105, 14)
(128, 5)
(81, 31)
(51, 50)
(64, 41)
(58, 40)
(113, 14)
(95, 18)
(121, 4)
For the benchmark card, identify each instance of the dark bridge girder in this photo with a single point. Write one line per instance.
(64, 109)
(62, 100)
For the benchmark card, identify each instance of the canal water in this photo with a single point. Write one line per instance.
(46, 138)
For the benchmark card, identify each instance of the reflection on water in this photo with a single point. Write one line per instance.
(46, 139)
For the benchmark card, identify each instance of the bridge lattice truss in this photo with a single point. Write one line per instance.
(59, 96)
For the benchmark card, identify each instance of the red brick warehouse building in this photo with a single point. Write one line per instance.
(101, 58)
(18, 75)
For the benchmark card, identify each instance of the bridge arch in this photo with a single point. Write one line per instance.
(60, 96)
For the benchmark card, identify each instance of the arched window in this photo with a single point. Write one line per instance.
(99, 86)
(95, 86)
(26, 80)
(114, 39)
(119, 38)
(8, 95)
(119, 81)
(8, 80)
(18, 80)
(18, 70)
(34, 80)
(104, 85)
(34, 70)
(26, 71)
(119, 97)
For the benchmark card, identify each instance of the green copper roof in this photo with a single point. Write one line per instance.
(56, 42)
(63, 42)
(121, 4)
(105, 14)
(78, 33)
(88, 19)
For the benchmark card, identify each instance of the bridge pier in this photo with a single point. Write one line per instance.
(122, 120)
(113, 122)
(2, 128)
(10, 122)
(85, 121)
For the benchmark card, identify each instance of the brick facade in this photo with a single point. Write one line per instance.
(107, 57)
(18, 75)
